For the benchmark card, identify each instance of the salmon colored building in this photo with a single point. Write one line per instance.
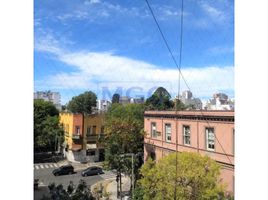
(209, 133)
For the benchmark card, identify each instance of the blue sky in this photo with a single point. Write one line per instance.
(114, 45)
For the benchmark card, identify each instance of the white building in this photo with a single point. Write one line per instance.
(137, 100)
(124, 100)
(103, 105)
(188, 100)
(220, 101)
(53, 97)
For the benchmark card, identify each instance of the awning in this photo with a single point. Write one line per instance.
(76, 147)
(91, 146)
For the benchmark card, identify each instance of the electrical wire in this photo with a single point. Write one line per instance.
(178, 67)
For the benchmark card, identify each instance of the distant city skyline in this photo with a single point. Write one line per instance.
(103, 45)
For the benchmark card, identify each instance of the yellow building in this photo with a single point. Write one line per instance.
(72, 124)
(81, 136)
(94, 130)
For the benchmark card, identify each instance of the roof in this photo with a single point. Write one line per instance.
(215, 115)
(192, 112)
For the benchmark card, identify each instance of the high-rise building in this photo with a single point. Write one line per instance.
(124, 100)
(188, 100)
(220, 101)
(137, 100)
(53, 97)
(187, 94)
(103, 105)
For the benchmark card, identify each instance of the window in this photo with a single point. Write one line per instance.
(186, 135)
(94, 132)
(233, 141)
(90, 153)
(210, 139)
(168, 132)
(102, 129)
(88, 130)
(153, 129)
(77, 130)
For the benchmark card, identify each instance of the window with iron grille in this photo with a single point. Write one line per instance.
(77, 130)
(88, 130)
(210, 139)
(153, 129)
(168, 132)
(94, 130)
(186, 135)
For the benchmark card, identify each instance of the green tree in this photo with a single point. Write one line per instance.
(81, 192)
(181, 106)
(123, 134)
(115, 98)
(47, 131)
(197, 178)
(160, 100)
(83, 103)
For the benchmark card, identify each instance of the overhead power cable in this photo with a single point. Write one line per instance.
(166, 43)
(179, 65)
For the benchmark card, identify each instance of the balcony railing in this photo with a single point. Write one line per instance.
(94, 137)
(76, 136)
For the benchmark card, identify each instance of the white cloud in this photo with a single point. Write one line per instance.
(92, 1)
(96, 70)
(219, 50)
(214, 13)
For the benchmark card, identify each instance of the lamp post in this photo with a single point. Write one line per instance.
(132, 169)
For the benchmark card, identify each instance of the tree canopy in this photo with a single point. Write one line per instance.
(197, 178)
(160, 100)
(123, 134)
(115, 98)
(83, 103)
(47, 131)
(72, 192)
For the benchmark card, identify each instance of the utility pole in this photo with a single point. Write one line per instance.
(132, 171)
(132, 159)
(120, 184)
(117, 185)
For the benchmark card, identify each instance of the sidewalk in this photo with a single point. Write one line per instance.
(110, 188)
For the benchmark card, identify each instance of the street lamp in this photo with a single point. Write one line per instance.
(132, 168)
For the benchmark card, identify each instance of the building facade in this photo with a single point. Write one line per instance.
(220, 101)
(103, 105)
(124, 100)
(209, 133)
(53, 97)
(82, 134)
(187, 99)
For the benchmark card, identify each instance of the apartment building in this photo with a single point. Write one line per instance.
(53, 97)
(82, 134)
(209, 133)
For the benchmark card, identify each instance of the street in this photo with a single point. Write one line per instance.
(43, 172)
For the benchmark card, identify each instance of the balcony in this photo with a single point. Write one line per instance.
(92, 137)
(77, 139)
(76, 136)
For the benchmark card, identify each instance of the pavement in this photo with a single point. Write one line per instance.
(110, 188)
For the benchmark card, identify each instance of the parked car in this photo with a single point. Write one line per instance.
(92, 171)
(63, 170)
